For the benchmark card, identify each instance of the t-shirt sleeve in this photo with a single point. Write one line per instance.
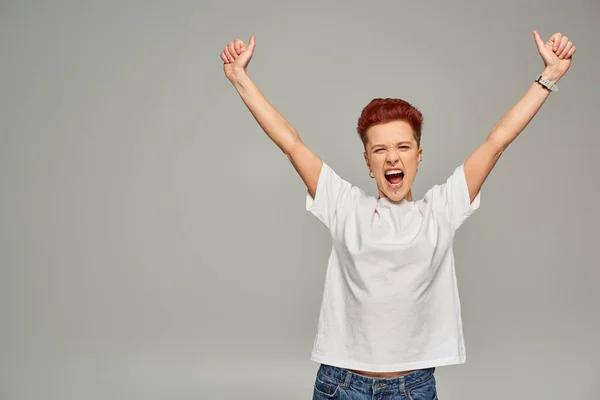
(333, 197)
(455, 199)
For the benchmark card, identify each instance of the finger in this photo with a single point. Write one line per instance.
(564, 53)
(229, 56)
(563, 43)
(224, 58)
(232, 51)
(555, 41)
(238, 44)
(570, 53)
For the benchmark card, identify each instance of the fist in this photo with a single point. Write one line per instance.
(556, 52)
(236, 56)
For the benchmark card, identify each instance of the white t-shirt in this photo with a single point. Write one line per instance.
(390, 299)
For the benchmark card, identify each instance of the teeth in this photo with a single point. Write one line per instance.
(392, 172)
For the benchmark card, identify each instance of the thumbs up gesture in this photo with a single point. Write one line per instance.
(236, 56)
(556, 53)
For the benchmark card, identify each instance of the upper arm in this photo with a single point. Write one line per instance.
(330, 198)
(307, 164)
(479, 165)
(459, 196)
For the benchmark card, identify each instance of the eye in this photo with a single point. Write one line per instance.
(404, 147)
(378, 150)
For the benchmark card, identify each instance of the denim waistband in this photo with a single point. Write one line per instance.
(349, 378)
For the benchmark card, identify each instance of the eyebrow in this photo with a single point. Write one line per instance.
(403, 142)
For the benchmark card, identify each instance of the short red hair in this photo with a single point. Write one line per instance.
(380, 111)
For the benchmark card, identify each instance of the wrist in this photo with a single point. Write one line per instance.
(552, 74)
(237, 75)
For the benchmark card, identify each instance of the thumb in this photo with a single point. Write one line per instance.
(252, 43)
(538, 40)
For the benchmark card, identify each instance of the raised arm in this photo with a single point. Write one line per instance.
(236, 57)
(556, 54)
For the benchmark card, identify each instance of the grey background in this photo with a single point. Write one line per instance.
(154, 242)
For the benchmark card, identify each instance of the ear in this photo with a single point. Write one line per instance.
(367, 160)
(420, 153)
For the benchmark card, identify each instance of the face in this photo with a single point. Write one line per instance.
(392, 148)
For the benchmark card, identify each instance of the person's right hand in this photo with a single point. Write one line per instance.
(236, 56)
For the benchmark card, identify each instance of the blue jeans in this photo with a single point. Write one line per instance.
(339, 383)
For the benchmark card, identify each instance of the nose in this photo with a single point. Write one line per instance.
(392, 157)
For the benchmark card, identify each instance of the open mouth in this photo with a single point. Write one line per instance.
(394, 177)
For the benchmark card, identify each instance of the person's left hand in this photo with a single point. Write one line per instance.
(556, 53)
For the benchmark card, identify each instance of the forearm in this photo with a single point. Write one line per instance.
(273, 123)
(519, 116)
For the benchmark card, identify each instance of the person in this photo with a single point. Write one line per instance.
(390, 311)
